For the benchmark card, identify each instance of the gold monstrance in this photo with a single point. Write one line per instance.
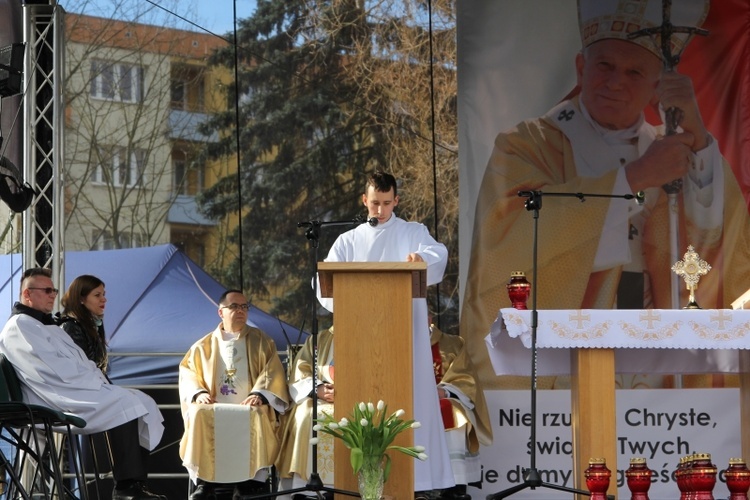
(691, 268)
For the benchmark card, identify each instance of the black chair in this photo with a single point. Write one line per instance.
(30, 430)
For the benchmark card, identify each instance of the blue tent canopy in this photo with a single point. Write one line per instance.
(159, 301)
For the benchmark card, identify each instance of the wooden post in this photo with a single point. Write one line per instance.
(594, 412)
(373, 324)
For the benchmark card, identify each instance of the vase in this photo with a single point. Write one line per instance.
(371, 477)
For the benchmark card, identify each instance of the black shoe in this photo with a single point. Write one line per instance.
(249, 488)
(457, 492)
(137, 491)
(203, 491)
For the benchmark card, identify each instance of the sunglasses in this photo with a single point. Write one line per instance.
(48, 290)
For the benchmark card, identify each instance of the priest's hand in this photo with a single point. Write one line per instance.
(676, 90)
(204, 398)
(325, 392)
(666, 159)
(252, 400)
(414, 257)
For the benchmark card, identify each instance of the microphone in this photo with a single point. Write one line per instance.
(361, 219)
(640, 198)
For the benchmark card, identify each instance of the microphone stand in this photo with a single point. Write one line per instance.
(315, 484)
(532, 478)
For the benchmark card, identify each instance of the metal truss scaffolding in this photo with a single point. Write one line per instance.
(43, 136)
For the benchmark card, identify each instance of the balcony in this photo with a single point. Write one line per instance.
(184, 210)
(184, 125)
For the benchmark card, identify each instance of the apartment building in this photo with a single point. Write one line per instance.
(135, 97)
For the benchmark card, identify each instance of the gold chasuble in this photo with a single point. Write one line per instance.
(295, 457)
(227, 443)
(458, 372)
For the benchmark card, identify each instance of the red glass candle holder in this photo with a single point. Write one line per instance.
(597, 478)
(738, 479)
(702, 477)
(519, 289)
(638, 477)
(681, 477)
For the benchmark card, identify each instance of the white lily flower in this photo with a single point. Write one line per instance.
(370, 407)
(416, 425)
(362, 407)
(399, 413)
(333, 426)
(364, 422)
(419, 449)
(422, 456)
(317, 427)
(343, 423)
(313, 441)
(381, 405)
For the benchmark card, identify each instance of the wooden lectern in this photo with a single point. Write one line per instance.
(373, 324)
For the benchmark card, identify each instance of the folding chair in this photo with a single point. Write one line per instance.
(30, 430)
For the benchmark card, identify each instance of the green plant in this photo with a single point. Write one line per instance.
(369, 433)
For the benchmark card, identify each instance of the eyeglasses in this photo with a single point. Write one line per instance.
(48, 290)
(234, 307)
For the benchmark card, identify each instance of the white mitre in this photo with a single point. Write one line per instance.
(603, 19)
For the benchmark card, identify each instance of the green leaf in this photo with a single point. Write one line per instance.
(387, 468)
(356, 457)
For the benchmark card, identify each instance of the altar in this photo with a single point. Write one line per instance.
(592, 345)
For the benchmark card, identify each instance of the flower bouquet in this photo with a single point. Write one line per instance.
(368, 433)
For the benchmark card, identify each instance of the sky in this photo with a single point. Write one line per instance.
(214, 15)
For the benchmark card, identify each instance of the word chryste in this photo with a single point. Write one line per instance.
(636, 417)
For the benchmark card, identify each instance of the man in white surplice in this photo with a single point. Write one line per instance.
(396, 240)
(55, 372)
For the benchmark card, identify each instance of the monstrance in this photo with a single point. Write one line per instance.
(691, 268)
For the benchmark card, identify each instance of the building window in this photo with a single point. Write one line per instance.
(103, 240)
(189, 178)
(192, 246)
(118, 168)
(179, 94)
(188, 88)
(116, 81)
(180, 176)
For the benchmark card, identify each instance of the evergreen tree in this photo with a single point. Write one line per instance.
(327, 95)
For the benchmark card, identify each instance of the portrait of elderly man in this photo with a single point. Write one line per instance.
(610, 252)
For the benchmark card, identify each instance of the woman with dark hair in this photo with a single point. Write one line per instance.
(83, 311)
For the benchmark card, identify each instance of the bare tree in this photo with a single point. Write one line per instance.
(136, 90)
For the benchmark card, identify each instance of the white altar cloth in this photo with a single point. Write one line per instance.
(646, 341)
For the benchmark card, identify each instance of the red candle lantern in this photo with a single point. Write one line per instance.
(638, 477)
(702, 477)
(681, 477)
(597, 478)
(738, 479)
(518, 289)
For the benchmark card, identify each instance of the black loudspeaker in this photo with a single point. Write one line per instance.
(11, 69)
